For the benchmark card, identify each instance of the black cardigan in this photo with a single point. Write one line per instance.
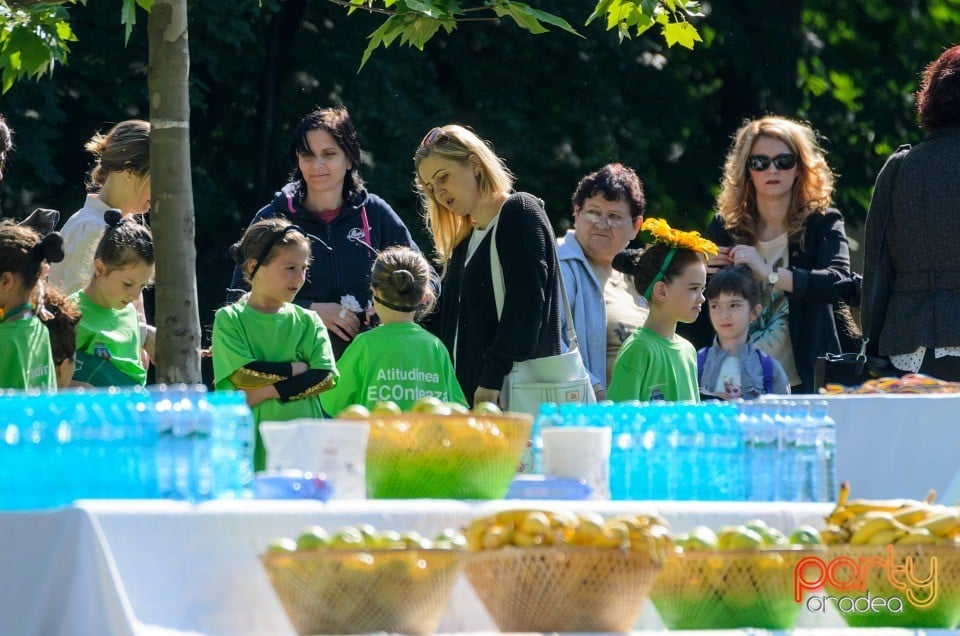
(821, 274)
(529, 327)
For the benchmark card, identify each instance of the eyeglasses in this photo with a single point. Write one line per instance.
(431, 136)
(601, 219)
(759, 163)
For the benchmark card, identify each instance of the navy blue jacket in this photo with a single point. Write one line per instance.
(341, 263)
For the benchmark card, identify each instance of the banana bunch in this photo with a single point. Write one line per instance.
(541, 528)
(890, 521)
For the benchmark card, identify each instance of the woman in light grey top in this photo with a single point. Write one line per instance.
(608, 207)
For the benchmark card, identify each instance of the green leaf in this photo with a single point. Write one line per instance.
(128, 18)
(385, 34)
(426, 8)
(419, 31)
(682, 33)
(601, 9)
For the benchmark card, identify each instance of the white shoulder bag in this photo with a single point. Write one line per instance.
(560, 379)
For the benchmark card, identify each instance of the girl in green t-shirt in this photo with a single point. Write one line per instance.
(399, 361)
(277, 352)
(25, 357)
(109, 334)
(655, 363)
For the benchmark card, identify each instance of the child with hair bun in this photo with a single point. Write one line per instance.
(399, 361)
(25, 357)
(655, 363)
(275, 351)
(110, 335)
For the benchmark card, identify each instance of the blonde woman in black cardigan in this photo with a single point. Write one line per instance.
(466, 191)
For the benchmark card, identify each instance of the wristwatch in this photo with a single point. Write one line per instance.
(773, 278)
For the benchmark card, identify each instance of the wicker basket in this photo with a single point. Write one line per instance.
(416, 455)
(562, 589)
(727, 590)
(355, 592)
(942, 612)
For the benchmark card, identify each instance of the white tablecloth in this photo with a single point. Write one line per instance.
(898, 445)
(152, 568)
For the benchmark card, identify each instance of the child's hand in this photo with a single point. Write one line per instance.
(260, 394)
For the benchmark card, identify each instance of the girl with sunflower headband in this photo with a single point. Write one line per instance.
(655, 363)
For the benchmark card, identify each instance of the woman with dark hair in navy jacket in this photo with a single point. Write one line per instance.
(347, 224)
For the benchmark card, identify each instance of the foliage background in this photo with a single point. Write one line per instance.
(555, 106)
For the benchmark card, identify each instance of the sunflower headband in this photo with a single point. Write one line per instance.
(675, 240)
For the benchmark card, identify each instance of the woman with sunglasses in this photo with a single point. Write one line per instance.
(347, 225)
(467, 191)
(774, 215)
(608, 207)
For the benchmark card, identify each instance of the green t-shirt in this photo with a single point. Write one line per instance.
(242, 335)
(650, 367)
(111, 334)
(400, 362)
(26, 361)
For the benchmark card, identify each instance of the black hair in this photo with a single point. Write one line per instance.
(23, 251)
(614, 182)
(125, 242)
(62, 325)
(644, 265)
(337, 122)
(736, 281)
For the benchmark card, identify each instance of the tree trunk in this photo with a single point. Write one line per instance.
(177, 318)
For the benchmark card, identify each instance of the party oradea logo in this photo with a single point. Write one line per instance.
(915, 579)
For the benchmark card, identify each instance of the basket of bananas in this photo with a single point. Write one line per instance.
(547, 571)
(359, 581)
(442, 451)
(894, 563)
(739, 576)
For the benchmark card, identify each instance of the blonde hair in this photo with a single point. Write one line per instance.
(458, 144)
(812, 190)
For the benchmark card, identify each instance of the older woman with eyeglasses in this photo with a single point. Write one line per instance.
(774, 215)
(467, 191)
(608, 207)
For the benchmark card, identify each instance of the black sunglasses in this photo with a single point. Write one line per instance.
(759, 163)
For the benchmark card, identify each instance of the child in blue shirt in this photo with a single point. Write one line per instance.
(733, 367)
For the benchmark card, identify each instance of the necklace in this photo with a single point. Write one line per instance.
(6, 315)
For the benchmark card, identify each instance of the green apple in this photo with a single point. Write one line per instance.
(415, 540)
(806, 535)
(450, 539)
(389, 540)
(771, 536)
(281, 545)
(313, 538)
(430, 404)
(700, 539)
(457, 408)
(487, 408)
(386, 408)
(347, 538)
(369, 533)
(738, 538)
(354, 412)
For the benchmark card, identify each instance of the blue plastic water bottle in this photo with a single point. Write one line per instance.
(820, 413)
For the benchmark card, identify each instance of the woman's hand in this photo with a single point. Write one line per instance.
(722, 259)
(338, 319)
(483, 394)
(749, 256)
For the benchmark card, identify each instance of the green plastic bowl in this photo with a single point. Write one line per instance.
(420, 455)
(730, 589)
(943, 612)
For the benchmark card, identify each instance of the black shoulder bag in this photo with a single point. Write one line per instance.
(853, 369)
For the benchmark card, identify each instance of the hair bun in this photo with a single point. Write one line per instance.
(235, 253)
(402, 280)
(113, 217)
(626, 261)
(49, 248)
